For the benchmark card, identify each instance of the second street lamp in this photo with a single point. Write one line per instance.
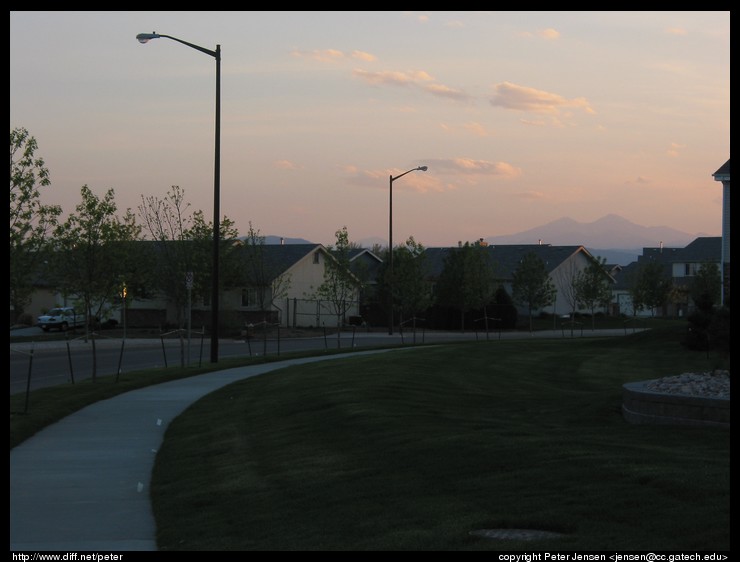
(144, 38)
(390, 244)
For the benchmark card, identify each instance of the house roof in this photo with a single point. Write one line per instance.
(724, 172)
(364, 263)
(279, 258)
(506, 258)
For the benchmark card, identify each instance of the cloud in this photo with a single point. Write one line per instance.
(523, 98)
(413, 78)
(470, 166)
(476, 128)
(286, 165)
(471, 127)
(393, 77)
(676, 31)
(323, 55)
(673, 150)
(445, 92)
(455, 23)
(549, 33)
(363, 56)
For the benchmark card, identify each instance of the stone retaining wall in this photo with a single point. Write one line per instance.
(640, 405)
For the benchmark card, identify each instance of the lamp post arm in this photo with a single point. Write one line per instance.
(407, 172)
(144, 37)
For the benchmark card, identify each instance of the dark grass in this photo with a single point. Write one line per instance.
(30, 413)
(414, 449)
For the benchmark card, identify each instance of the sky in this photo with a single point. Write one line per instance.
(521, 117)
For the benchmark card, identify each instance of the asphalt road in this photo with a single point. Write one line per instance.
(42, 364)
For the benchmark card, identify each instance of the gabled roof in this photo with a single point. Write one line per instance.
(505, 258)
(279, 258)
(364, 263)
(704, 248)
(723, 174)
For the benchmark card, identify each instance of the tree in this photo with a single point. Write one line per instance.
(450, 292)
(200, 235)
(93, 254)
(706, 287)
(479, 285)
(531, 284)
(340, 286)
(467, 280)
(168, 223)
(269, 285)
(411, 292)
(566, 277)
(649, 287)
(503, 308)
(31, 222)
(593, 287)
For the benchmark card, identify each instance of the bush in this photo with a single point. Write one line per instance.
(25, 319)
(709, 330)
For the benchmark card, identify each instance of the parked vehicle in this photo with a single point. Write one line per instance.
(60, 319)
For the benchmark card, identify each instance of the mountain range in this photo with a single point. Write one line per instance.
(612, 237)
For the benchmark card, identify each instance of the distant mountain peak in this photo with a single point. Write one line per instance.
(609, 232)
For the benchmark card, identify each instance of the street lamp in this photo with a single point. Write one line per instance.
(390, 244)
(143, 38)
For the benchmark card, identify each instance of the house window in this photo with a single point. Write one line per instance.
(690, 269)
(316, 257)
(249, 297)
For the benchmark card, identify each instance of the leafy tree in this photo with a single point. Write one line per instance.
(706, 286)
(93, 253)
(411, 292)
(467, 280)
(593, 287)
(31, 222)
(479, 285)
(532, 285)
(649, 287)
(709, 327)
(340, 287)
(450, 292)
(200, 235)
(503, 308)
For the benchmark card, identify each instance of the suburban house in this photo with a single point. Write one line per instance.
(561, 262)
(280, 286)
(680, 265)
(284, 291)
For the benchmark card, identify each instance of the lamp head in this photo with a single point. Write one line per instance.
(422, 168)
(145, 37)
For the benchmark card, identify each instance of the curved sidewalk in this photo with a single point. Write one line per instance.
(82, 484)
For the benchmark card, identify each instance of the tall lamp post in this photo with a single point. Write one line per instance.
(390, 243)
(143, 38)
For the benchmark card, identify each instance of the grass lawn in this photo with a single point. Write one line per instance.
(414, 449)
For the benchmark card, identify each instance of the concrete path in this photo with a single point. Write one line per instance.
(82, 484)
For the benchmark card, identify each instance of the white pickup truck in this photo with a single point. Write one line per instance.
(61, 319)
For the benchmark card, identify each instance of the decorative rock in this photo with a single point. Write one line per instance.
(710, 384)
